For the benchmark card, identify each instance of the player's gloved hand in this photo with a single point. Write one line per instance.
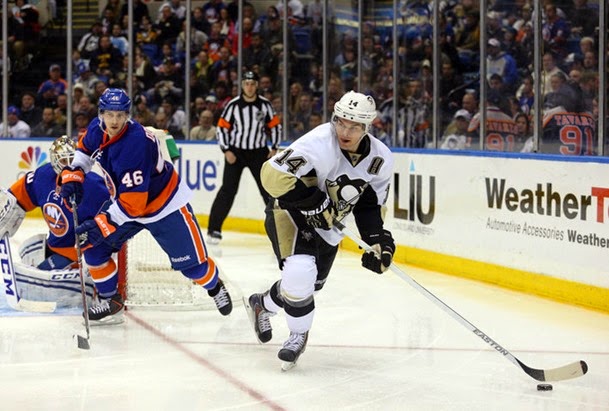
(71, 181)
(321, 211)
(92, 232)
(383, 245)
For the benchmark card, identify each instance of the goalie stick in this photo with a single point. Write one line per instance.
(83, 343)
(13, 298)
(572, 370)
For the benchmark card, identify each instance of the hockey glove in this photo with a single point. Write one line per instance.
(321, 213)
(71, 181)
(380, 259)
(92, 232)
(11, 214)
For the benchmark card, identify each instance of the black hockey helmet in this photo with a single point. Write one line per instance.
(250, 75)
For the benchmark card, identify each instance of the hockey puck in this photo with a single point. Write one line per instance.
(544, 387)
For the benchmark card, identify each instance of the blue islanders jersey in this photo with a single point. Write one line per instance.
(37, 189)
(147, 187)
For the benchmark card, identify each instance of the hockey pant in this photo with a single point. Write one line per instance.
(179, 236)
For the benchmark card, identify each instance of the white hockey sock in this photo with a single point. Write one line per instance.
(269, 304)
(300, 324)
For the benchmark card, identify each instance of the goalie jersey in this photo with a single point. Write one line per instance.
(37, 189)
(147, 186)
(355, 182)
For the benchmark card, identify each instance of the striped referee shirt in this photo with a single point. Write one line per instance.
(248, 126)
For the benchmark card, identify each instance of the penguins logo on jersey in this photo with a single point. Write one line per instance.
(55, 219)
(345, 192)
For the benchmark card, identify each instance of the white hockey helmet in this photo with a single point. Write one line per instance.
(62, 153)
(356, 107)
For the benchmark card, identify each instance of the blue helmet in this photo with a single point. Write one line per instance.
(114, 99)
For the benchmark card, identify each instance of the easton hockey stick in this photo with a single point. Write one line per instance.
(573, 370)
(13, 298)
(83, 343)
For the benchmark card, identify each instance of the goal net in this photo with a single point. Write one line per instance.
(147, 280)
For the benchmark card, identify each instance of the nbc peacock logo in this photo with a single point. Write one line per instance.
(32, 158)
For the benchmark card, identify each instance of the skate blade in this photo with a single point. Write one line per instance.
(251, 316)
(287, 365)
(112, 320)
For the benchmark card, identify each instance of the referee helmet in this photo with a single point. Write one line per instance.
(250, 75)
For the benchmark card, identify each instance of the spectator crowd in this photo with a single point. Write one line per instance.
(569, 76)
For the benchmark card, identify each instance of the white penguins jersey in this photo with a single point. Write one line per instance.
(316, 159)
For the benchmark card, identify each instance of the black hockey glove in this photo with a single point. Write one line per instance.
(383, 245)
(321, 212)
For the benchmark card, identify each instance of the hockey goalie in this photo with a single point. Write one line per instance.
(48, 271)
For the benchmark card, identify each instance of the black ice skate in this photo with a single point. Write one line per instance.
(260, 318)
(221, 297)
(292, 349)
(107, 311)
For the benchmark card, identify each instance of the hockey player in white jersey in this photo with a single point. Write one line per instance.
(336, 169)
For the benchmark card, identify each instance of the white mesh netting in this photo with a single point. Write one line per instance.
(150, 282)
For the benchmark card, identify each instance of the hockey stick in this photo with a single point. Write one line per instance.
(83, 343)
(13, 298)
(573, 370)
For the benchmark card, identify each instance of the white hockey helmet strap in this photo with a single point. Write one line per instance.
(62, 153)
(356, 107)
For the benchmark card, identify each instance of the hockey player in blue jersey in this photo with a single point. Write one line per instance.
(149, 195)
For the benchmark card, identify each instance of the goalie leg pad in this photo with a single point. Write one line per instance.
(33, 250)
(60, 286)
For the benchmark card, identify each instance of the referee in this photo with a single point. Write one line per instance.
(243, 129)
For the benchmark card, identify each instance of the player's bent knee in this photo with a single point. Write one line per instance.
(298, 284)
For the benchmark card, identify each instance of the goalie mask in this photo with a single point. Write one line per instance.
(356, 107)
(62, 153)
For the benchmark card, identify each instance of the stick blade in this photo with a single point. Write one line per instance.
(35, 306)
(83, 343)
(566, 372)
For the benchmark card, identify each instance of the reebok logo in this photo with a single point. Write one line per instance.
(180, 259)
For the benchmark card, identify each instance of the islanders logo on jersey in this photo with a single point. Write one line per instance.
(55, 219)
(32, 158)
